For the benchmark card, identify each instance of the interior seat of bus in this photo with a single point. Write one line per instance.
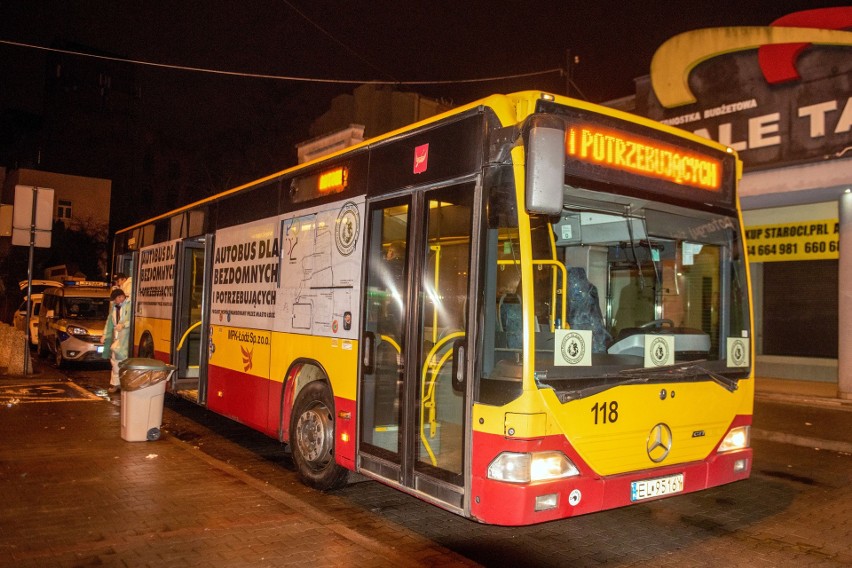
(584, 310)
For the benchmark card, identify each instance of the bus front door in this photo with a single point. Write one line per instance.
(413, 406)
(190, 322)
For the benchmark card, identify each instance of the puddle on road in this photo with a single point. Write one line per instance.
(789, 477)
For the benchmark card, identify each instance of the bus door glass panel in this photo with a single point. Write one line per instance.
(189, 312)
(442, 324)
(383, 352)
(125, 263)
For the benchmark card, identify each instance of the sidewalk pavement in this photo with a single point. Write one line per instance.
(802, 392)
(76, 494)
(802, 413)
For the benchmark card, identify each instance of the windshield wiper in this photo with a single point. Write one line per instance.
(682, 371)
(644, 375)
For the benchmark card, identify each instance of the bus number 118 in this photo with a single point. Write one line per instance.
(605, 412)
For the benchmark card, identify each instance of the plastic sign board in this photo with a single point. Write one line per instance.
(26, 198)
(738, 352)
(573, 348)
(659, 350)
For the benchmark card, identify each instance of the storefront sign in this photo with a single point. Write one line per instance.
(735, 87)
(804, 240)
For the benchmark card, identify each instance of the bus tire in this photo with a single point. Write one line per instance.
(312, 438)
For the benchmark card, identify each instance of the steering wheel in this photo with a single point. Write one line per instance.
(657, 323)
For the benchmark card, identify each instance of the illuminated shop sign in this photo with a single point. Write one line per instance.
(649, 158)
(800, 240)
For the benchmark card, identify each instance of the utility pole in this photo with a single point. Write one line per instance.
(570, 62)
(568, 72)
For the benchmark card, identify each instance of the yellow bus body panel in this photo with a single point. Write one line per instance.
(698, 415)
(270, 355)
(160, 330)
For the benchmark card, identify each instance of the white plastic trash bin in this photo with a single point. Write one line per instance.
(143, 388)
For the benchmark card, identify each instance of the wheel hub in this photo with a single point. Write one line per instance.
(313, 434)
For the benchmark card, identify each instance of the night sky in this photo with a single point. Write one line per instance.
(387, 40)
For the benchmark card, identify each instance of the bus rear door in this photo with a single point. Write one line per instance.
(191, 319)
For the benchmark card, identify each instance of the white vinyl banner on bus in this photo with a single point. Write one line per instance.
(155, 281)
(297, 273)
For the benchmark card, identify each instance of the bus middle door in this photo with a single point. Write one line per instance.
(413, 409)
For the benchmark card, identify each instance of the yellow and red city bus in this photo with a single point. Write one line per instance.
(525, 309)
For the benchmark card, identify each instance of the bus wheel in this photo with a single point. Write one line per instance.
(312, 438)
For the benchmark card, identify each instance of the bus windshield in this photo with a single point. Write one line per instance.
(622, 294)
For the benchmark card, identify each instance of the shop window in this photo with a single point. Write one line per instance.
(800, 308)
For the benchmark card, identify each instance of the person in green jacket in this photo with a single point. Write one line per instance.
(117, 335)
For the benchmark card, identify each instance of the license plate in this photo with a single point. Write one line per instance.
(100, 348)
(648, 488)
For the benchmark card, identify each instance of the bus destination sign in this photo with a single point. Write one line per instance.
(650, 158)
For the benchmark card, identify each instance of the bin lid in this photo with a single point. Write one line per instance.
(144, 364)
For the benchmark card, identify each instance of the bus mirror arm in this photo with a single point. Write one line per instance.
(459, 364)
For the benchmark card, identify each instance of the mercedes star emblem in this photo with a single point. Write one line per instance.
(659, 442)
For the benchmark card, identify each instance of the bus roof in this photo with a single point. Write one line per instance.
(509, 108)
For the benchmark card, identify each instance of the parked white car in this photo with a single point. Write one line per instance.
(71, 322)
(19, 321)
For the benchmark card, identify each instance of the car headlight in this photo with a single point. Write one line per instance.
(736, 439)
(74, 330)
(531, 467)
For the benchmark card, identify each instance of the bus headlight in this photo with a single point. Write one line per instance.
(531, 467)
(737, 439)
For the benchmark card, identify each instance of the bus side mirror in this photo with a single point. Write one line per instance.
(545, 156)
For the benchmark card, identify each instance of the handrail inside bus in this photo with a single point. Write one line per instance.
(554, 264)
(391, 340)
(428, 395)
(437, 249)
(186, 334)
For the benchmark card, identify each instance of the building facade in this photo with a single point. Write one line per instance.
(781, 95)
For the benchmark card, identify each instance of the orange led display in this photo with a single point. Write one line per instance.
(614, 149)
(332, 181)
(320, 184)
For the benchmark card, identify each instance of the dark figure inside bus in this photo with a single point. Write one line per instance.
(393, 279)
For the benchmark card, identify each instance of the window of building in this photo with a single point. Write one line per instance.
(63, 209)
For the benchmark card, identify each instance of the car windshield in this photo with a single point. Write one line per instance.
(85, 308)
